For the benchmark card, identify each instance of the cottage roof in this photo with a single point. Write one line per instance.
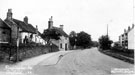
(25, 27)
(53, 46)
(59, 30)
(39, 33)
(4, 24)
(32, 28)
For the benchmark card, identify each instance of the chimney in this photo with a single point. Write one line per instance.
(25, 19)
(36, 27)
(50, 23)
(124, 30)
(128, 28)
(132, 25)
(61, 26)
(9, 14)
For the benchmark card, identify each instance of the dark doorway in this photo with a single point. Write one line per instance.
(66, 46)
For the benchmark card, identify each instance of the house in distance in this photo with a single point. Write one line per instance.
(63, 42)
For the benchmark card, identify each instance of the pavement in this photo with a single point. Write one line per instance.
(77, 62)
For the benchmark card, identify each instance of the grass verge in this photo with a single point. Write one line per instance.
(118, 55)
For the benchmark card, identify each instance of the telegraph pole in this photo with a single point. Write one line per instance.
(133, 11)
(107, 30)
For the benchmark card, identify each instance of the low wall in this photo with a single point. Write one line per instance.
(24, 51)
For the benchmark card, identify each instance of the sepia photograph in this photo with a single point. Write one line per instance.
(67, 37)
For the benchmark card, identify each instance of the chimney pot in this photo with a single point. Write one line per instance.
(61, 26)
(36, 27)
(9, 14)
(9, 10)
(128, 28)
(50, 23)
(51, 19)
(132, 25)
(124, 30)
(26, 19)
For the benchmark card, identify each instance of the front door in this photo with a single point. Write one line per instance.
(66, 46)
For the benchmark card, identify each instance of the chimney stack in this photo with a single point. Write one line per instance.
(128, 28)
(124, 30)
(61, 26)
(9, 14)
(50, 23)
(50, 19)
(26, 19)
(36, 27)
(132, 25)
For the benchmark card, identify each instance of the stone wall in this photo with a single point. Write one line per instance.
(4, 35)
(14, 34)
(4, 32)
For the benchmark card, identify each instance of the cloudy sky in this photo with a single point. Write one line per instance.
(91, 16)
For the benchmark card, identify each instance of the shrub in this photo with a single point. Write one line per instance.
(2, 55)
(105, 42)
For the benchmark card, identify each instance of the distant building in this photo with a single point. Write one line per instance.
(63, 42)
(131, 38)
(126, 39)
(21, 30)
(120, 40)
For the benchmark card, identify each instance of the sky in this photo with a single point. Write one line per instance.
(91, 16)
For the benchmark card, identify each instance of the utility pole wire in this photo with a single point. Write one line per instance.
(133, 11)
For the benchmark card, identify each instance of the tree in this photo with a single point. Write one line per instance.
(50, 34)
(72, 38)
(105, 42)
(83, 39)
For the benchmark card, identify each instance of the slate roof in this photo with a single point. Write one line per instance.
(59, 30)
(25, 27)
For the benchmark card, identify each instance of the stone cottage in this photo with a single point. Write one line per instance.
(21, 30)
(5, 32)
(63, 42)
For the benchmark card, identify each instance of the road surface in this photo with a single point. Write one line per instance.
(78, 62)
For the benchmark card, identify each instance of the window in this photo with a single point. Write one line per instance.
(4, 32)
(61, 45)
(126, 34)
